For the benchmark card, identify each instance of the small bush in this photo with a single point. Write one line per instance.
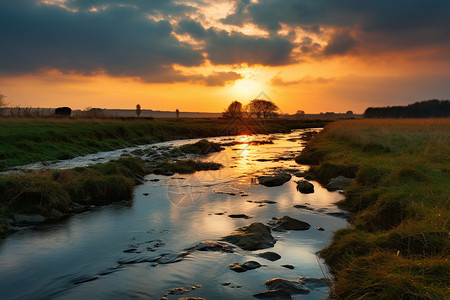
(409, 174)
(370, 176)
(311, 156)
(185, 167)
(325, 171)
(376, 148)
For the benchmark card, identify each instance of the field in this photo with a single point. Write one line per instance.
(24, 141)
(398, 244)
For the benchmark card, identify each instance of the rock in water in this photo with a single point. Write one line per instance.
(339, 183)
(28, 219)
(273, 294)
(211, 246)
(275, 180)
(288, 223)
(290, 286)
(313, 283)
(272, 256)
(237, 268)
(251, 237)
(239, 216)
(305, 187)
(249, 265)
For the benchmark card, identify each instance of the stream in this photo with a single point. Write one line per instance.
(109, 252)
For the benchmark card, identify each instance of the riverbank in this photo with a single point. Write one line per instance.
(24, 141)
(33, 197)
(398, 246)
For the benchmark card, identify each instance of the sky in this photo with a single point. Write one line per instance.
(196, 55)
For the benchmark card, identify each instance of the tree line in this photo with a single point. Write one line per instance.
(424, 109)
(256, 108)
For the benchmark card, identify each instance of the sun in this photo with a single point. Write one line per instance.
(246, 88)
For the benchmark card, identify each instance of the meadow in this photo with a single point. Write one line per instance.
(397, 246)
(27, 140)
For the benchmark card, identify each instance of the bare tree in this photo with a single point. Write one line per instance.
(138, 110)
(261, 108)
(234, 110)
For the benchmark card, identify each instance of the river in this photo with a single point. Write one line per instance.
(108, 252)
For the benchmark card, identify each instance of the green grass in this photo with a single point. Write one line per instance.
(398, 244)
(52, 193)
(188, 166)
(24, 141)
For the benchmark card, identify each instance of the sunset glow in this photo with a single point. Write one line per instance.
(199, 56)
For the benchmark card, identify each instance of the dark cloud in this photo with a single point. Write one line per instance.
(377, 25)
(233, 48)
(224, 48)
(119, 41)
(340, 43)
(193, 28)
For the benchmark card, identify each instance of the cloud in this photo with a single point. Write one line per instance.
(340, 43)
(278, 81)
(121, 41)
(219, 78)
(231, 48)
(376, 26)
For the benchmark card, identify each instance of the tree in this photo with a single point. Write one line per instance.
(300, 113)
(138, 110)
(262, 108)
(234, 110)
(2, 100)
(177, 112)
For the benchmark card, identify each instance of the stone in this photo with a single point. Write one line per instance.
(274, 180)
(211, 246)
(226, 283)
(305, 187)
(273, 294)
(251, 237)
(320, 229)
(290, 286)
(313, 283)
(272, 256)
(289, 223)
(288, 266)
(249, 265)
(28, 219)
(239, 216)
(303, 207)
(237, 268)
(339, 183)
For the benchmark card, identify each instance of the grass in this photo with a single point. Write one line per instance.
(398, 244)
(24, 141)
(53, 193)
(188, 166)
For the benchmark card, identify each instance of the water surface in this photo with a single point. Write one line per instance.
(83, 256)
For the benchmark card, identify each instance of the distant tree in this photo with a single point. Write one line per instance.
(138, 110)
(300, 113)
(349, 112)
(261, 108)
(425, 109)
(63, 111)
(234, 110)
(177, 112)
(2, 100)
